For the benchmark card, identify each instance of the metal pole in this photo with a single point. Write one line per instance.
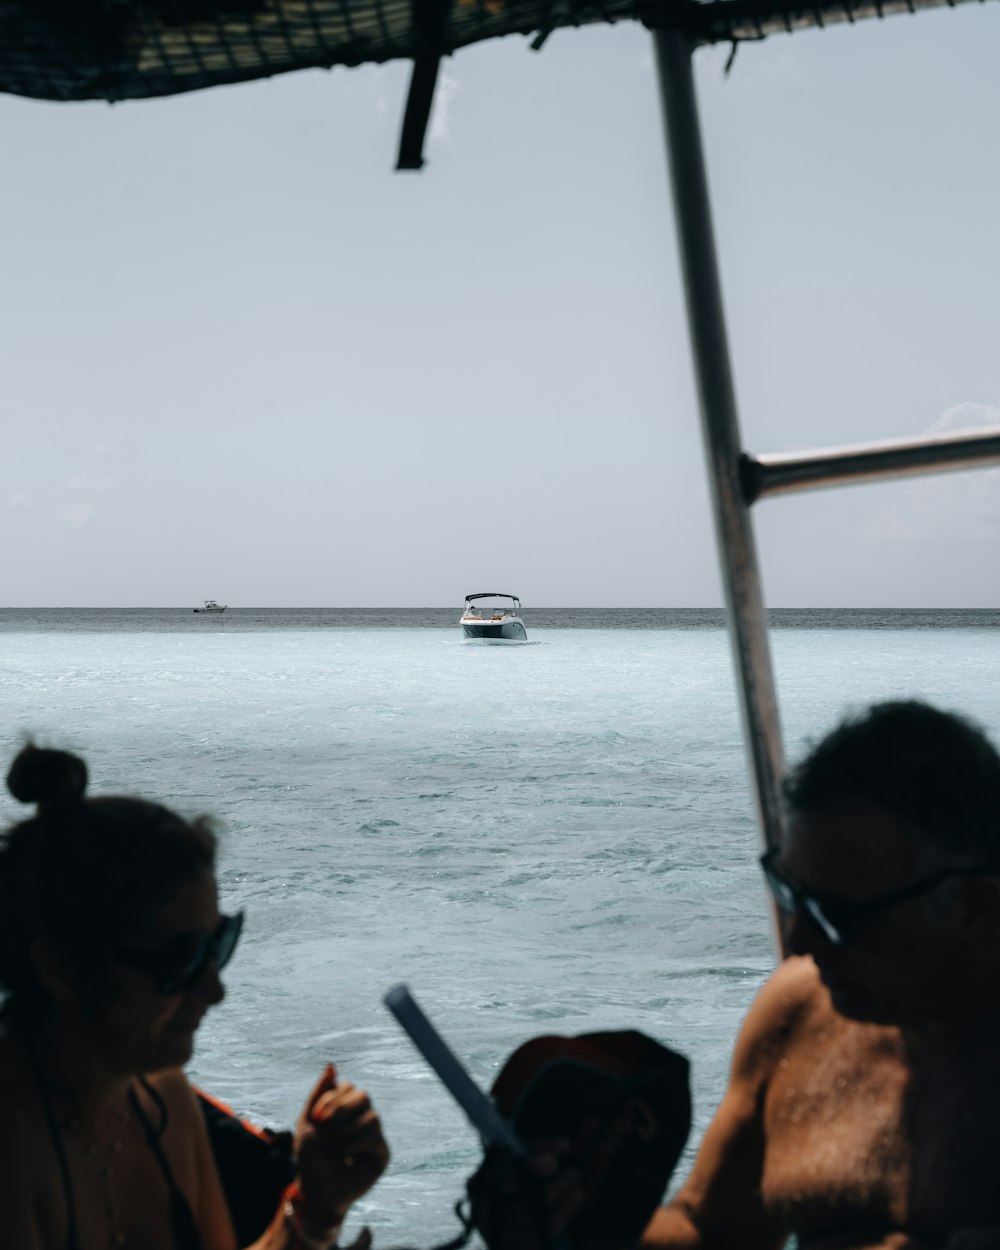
(720, 427)
(790, 471)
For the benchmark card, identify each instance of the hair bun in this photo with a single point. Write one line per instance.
(46, 777)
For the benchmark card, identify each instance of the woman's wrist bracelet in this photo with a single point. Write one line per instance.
(309, 1229)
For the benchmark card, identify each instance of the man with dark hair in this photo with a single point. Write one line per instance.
(933, 768)
(864, 1102)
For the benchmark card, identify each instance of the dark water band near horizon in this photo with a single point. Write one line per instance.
(250, 618)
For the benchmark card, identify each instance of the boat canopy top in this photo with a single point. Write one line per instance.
(491, 595)
(110, 50)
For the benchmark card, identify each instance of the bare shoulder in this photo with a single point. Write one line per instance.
(186, 1138)
(720, 1202)
(23, 1118)
(790, 1002)
(173, 1086)
(792, 989)
(192, 1159)
(179, 1098)
(29, 1216)
(23, 1131)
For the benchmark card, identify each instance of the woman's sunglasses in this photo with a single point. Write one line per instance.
(178, 963)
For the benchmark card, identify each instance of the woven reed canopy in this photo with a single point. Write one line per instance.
(130, 49)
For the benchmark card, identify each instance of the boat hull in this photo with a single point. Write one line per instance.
(507, 631)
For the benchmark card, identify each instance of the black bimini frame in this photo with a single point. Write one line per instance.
(737, 479)
(491, 595)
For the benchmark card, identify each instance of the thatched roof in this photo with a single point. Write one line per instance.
(129, 49)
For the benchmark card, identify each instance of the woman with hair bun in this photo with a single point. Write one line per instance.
(111, 946)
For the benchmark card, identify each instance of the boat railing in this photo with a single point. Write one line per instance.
(737, 479)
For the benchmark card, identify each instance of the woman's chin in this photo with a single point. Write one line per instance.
(181, 1042)
(172, 1049)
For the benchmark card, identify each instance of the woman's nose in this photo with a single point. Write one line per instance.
(209, 985)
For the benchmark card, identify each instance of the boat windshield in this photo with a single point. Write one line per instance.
(488, 610)
(492, 605)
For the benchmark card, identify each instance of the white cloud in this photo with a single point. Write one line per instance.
(974, 495)
(17, 503)
(77, 517)
(960, 503)
(447, 88)
(965, 416)
(87, 481)
(756, 67)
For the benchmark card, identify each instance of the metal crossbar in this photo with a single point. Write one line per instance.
(838, 466)
(736, 479)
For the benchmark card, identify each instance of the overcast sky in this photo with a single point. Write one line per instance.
(242, 358)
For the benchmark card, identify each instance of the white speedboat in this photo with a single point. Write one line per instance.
(211, 606)
(493, 620)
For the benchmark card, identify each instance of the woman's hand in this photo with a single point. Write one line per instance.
(339, 1145)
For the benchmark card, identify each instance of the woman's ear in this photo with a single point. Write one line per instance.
(57, 970)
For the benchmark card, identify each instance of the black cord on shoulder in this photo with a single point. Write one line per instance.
(156, 1098)
(456, 1243)
(464, 1212)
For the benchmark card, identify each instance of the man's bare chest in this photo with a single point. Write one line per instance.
(859, 1134)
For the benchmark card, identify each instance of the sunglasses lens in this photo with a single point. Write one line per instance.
(790, 901)
(225, 938)
(184, 965)
(782, 892)
(816, 913)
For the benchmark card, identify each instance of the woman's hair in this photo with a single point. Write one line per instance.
(84, 871)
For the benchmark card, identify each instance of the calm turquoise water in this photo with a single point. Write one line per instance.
(548, 837)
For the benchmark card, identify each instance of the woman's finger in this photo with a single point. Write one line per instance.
(336, 1128)
(344, 1098)
(326, 1082)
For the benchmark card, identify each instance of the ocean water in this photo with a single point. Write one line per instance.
(554, 836)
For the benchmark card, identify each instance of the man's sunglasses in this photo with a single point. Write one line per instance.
(178, 963)
(835, 918)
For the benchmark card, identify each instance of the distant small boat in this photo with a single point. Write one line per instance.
(498, 621)
(211, 606)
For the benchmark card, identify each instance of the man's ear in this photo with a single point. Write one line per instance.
(56, 969)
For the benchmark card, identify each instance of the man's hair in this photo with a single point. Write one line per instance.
(935, 769)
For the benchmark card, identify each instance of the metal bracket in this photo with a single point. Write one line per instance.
(430, 20)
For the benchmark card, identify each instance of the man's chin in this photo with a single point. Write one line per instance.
(854, 1002)
(854, 1006)
(849, 997)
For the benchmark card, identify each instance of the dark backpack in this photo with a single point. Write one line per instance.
(254, 1166)
(623, 1103)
